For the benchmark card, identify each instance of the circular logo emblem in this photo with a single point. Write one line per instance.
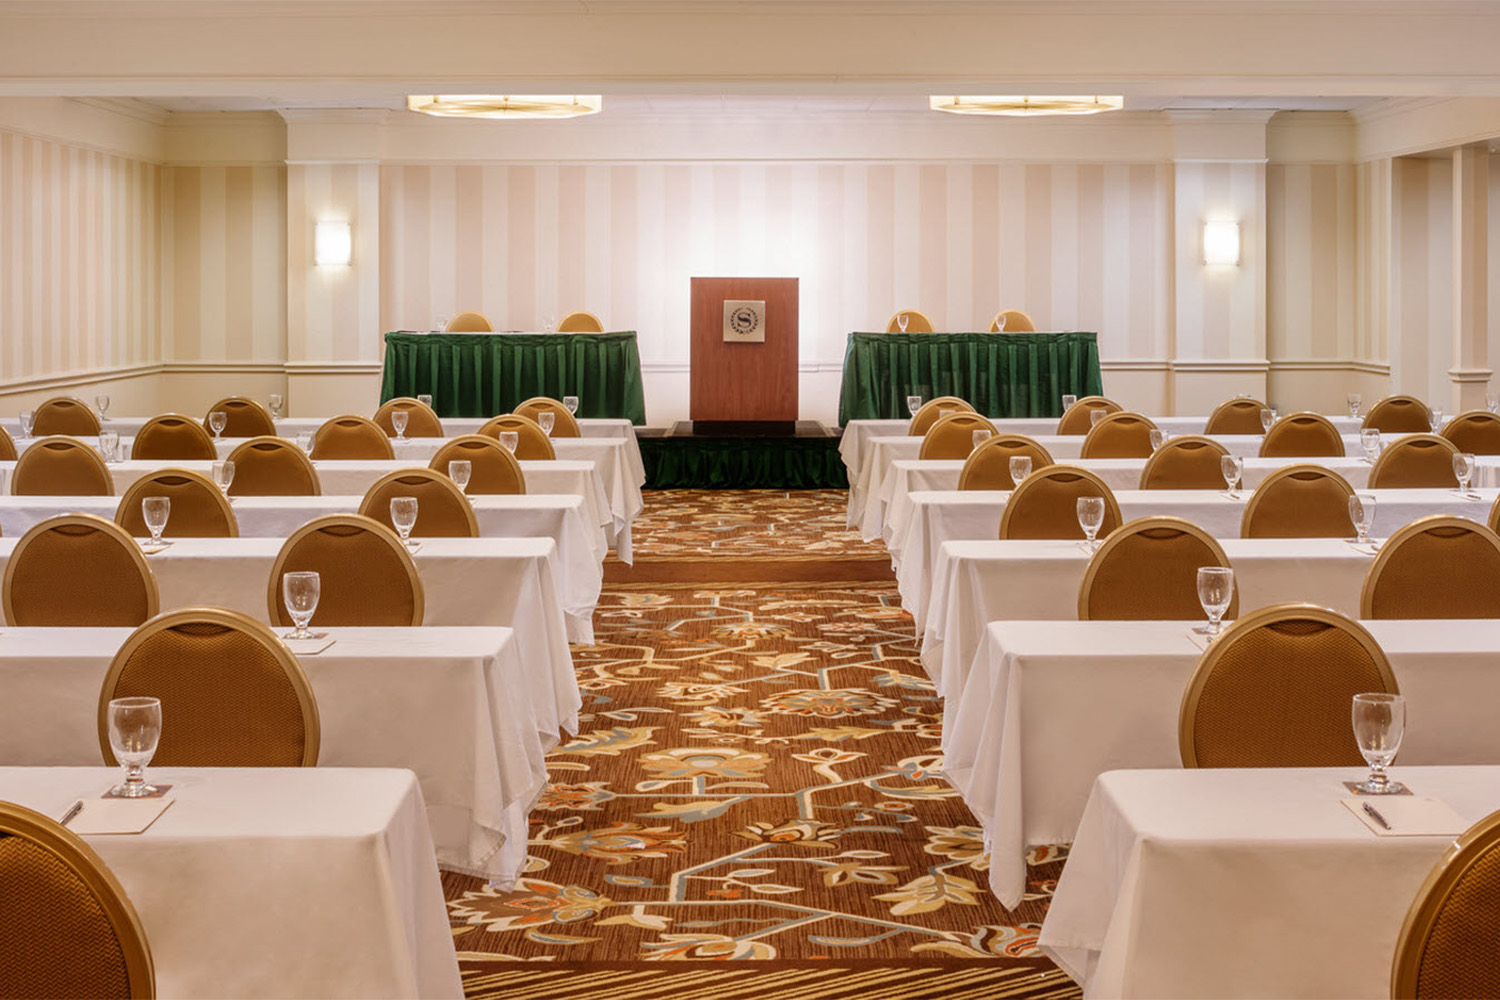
(744, 321)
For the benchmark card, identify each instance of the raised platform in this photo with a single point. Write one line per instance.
(747, 457)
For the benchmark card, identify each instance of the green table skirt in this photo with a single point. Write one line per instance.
(484, 374)
(999, 374)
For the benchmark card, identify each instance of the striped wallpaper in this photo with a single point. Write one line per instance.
(1421, 313)
(78, 259)
(1311, 261)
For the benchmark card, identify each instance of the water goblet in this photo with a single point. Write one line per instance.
(223, 474)
(459, 470)
(304, 441)
(1215, 591)
(1267, 418)
(510, 439)
(1463, 470)
(1379, 725)
(1091, 519)
(1000, 323)
(109, 445)
(1095, 416)
(134, 731)
(217, 421)
(1020, 468)
(27, 417)
(277, 402)
(442, 324)
(1435, 417)
(1354, 401)
(1369, 440)
(571, 402)
(1068, 400)
(300, 592)
(404, 517)
(156, 510)
(548, 420)
(913, 404)
(979, 437)
(425, 398)
(398, 421)
(549, 323)
(1158, 438)
(1492, 402)
(101, 403)
(1362, 514)
(901, 322)
(1233, 468)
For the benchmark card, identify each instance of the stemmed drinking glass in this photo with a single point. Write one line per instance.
(101, 403)
(304, 441)
(1215, 591)
(1068, 400)
(109, 445)
(548, 420)
(1000, 323)
(404, 517)
(979, 437)
(1233, 468)
(1435, 417)
(1362, 514)
(277, 402)
(1463, 469)
(901, 322)
(1095, 416)
(300, 592)
(459, 470)
(398, 421)
(27, 417)
(1379, 725)
(549, 323)
(1091, 519)
(913, 404)
(1369, 440)
(134, 731)
(1020, 468)
(216, 422)
(1492, 402)
(425, 399)
(1354, 404)
(223, 474)
(1267, 418)
(156, 510)
(510, 439)
(1158, 438)
(571, 402)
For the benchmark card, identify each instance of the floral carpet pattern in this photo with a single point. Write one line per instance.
(757, 777)
(781, 524)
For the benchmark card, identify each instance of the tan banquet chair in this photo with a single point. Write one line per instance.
(199, 508)
(1438, 566)
(952, 437)
(1299, 501)
(931, 412)
(352, 437)
(421, 420)
(916, 322)
(579, 321)
(1236, 416)
(61, 467)
(232, 694)
(1302, 435)
(988, 466)
(1077, 420)
(469, 322)
(1399, 415)
(1190, 462)
(493, 469)
(1414, 462)
(78, 570)
(1493, 521)
(1015, 322)
(7, 447)
(243, 417)
(1147, 570)
(442, 509)
(1476, 432)
(367, 577)
(69, 928)
(1275, 690)
(64, 415)
(172, 437)
(1045, 504)
(272, 466)
(532, 443)
(1449, 945)
(1119, 435)
(563, 423)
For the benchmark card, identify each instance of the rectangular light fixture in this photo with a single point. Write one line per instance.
(333, 243)
(1221, 242)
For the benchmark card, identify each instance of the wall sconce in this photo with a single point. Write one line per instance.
(1221, 242)
(333, 244)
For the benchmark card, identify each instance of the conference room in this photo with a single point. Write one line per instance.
(831, 500)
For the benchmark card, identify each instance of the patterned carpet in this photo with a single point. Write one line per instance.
(757, 779)
(736, 524)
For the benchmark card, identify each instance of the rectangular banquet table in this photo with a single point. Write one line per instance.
(1000, 374)
(1243, 883)
(920, 522)
(460, 707)
(975, 583)
(482, 374)
(1046, 707)
(276, 882)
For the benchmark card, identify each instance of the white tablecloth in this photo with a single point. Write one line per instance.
(458, 706)
(975, 583)
(1048, 706)
(919, 523)
(279, 883)
(1254, 883)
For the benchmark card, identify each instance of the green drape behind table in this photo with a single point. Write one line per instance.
(485, 374)
(999, 374)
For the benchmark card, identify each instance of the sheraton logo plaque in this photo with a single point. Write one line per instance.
(744, 321)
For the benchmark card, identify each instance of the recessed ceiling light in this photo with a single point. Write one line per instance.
(506, 105)
(1025, 106)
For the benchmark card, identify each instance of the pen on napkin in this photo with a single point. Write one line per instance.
(1378, 818)
(74, 811)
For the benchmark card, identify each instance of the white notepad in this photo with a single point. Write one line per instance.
(100, 816)
(1408, 815)
(308, 647)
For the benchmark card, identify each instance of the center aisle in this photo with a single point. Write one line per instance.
(757, 778)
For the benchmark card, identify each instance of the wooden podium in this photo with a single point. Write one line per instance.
(744, 356)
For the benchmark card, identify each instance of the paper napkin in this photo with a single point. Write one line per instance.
(308, 647)
(1408, 815)
(100, 816)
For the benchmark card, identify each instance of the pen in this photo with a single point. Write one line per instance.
(1378, 818)
(74, 811)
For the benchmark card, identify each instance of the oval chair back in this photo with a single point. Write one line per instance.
(1449, 944)
(1076, 419)
(199, 508)
(352, 437)
(532, 443)
(1147, 570)
(234, 694)
(988, 466)
(1119, 435)
(1299, 501)
(952, 437)
(1438, 566)
(1190, 462)
(421, 420)
(442, 509)
(1045, 504)
(243, 417)
(1302, 435)
(1236, 416)
(1399, 415)
(61, 467)
(1476, 432)
(579, 321)
(1274, 689)
(469, 322)
(1015, 322)
(493, 469)
(78, 570)
(7, 446)
(366, 576)
(272, 466)
(916, 322)
(931, 412)
(1414, 462)
(64, 415)
(563, 423)
(171, 437)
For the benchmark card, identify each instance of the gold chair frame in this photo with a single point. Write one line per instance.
(104, 524)
(54, 444)
(916, 322)
(927, 413)
(348, 421)
(1016, 321)
(1468, 422)
(244, 408)
(1185, 443)
(1139, 526)
(1038, 476)
(1258, 497)
(564, 424)
(420, 418)
(266, 443)
(440, 479)
(1040, 460)
(1404, 408)
(469, 322)
(278, 615)
(1474, 845)
(1078, 414)
(138, 490)
(456, 450)
(580, 321)
(974, 421)
(65, 408)
(7, 446)
(208, 451)
(1410, 443)
(1107, 424)
(527, 428)
(1405, 534)
(1295, 421)
(1233, 411)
